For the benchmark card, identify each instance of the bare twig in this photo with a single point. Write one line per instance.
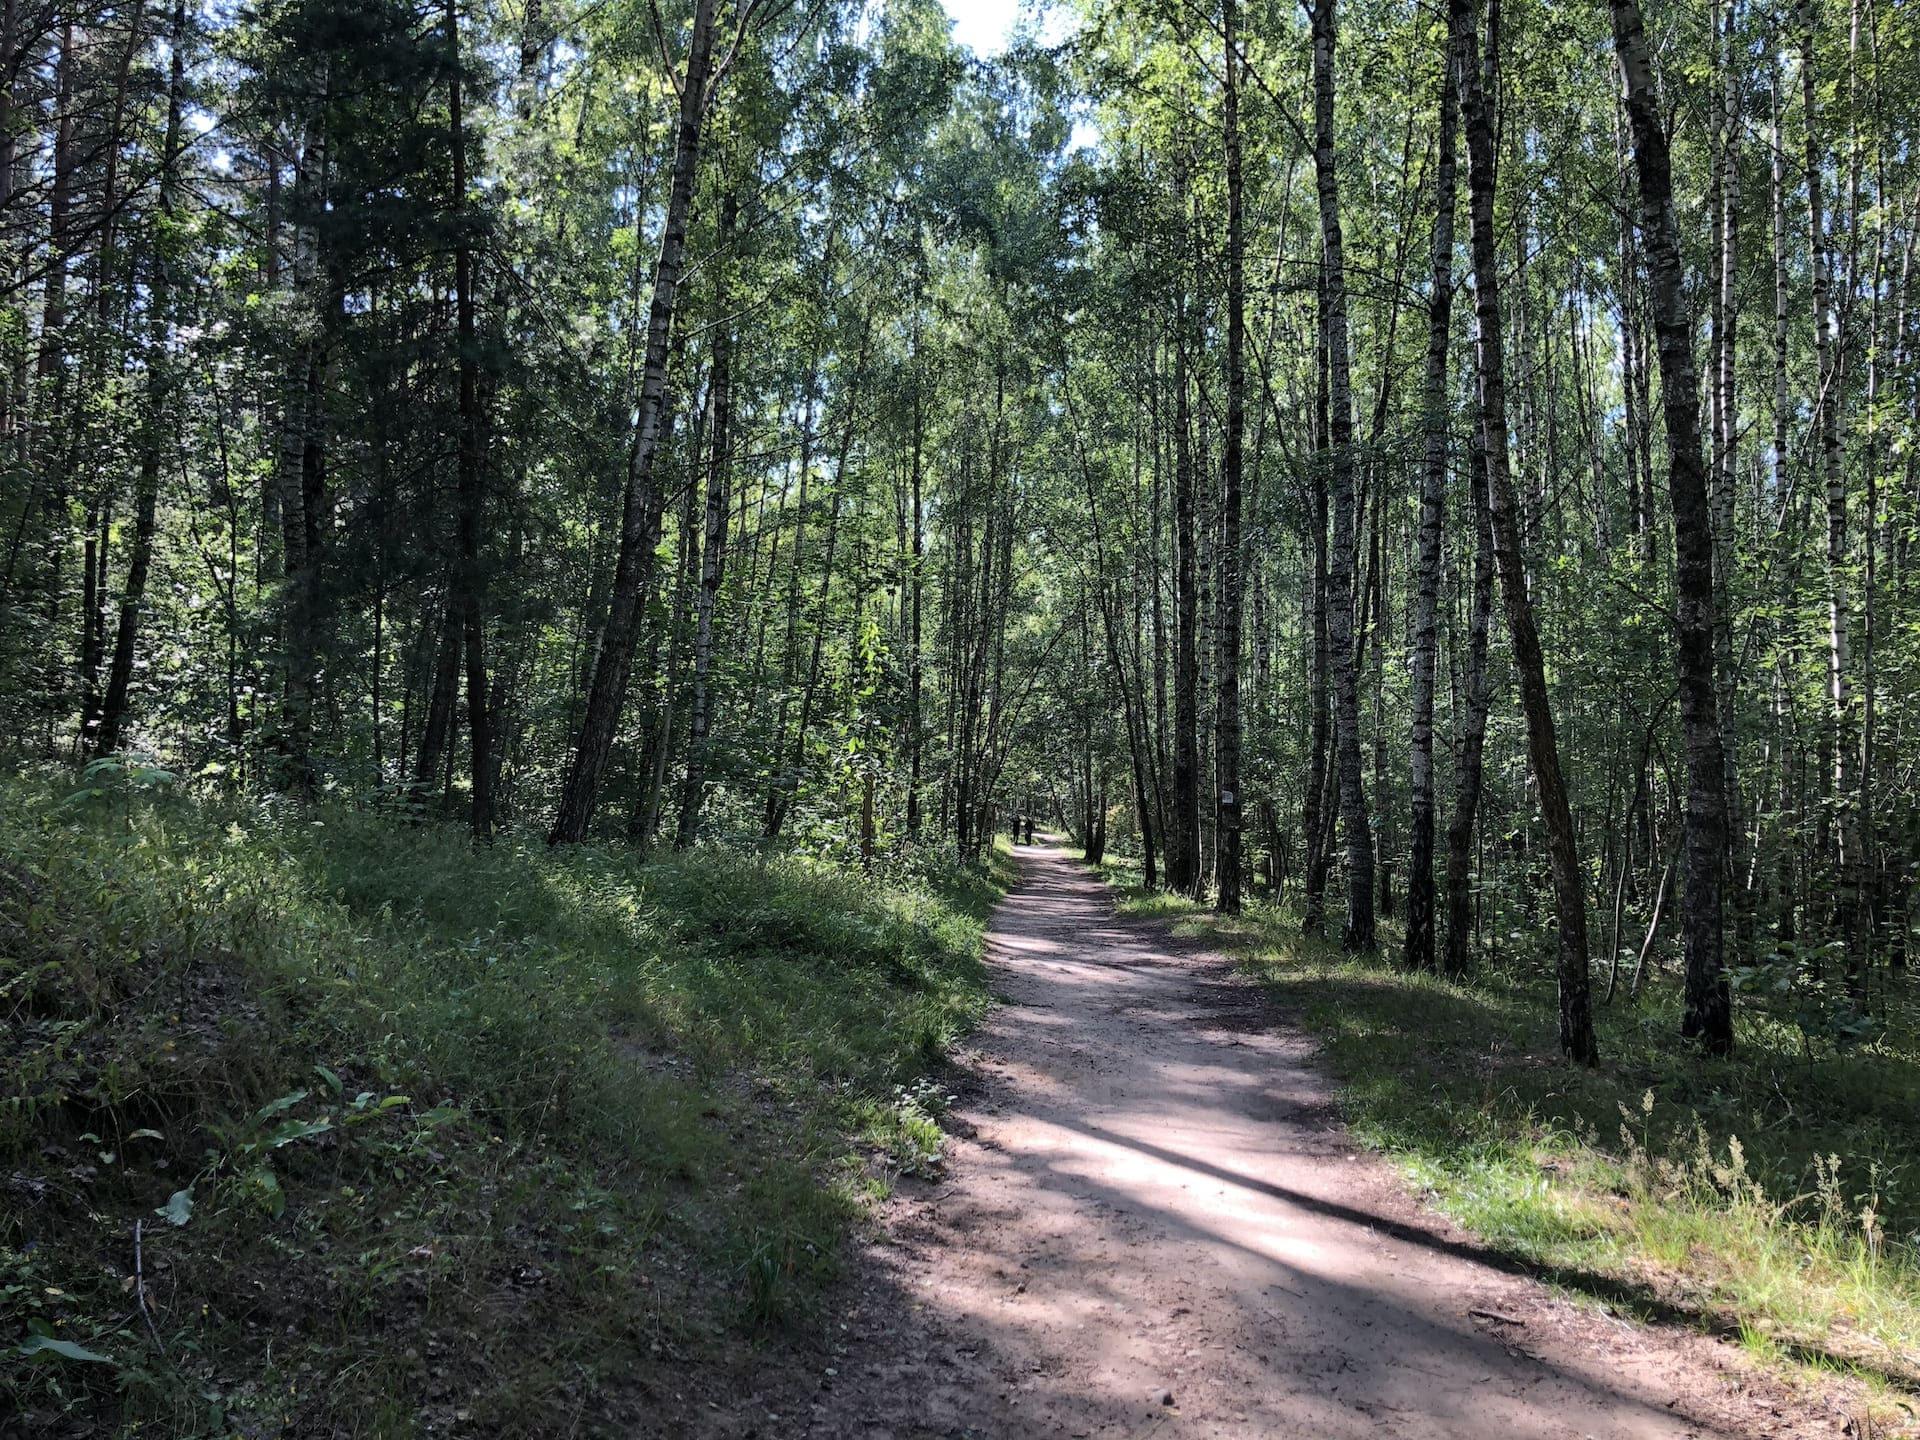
(140, 1289)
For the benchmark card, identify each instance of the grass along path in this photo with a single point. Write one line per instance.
(1772, 1198)
(327, 1123)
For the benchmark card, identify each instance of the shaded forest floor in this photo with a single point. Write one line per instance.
(323, 1123)
(1772, 1199)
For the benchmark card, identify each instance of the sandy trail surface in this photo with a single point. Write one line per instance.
(1151, 1224)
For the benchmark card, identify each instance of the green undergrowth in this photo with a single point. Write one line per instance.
(1773, 1197)
(321, 1122)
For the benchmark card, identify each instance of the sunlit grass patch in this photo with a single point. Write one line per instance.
(410, 1124)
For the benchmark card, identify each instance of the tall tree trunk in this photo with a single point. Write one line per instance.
(1316, 822)
(1777, 205)
(1227, 683)
(1131, 689)
(780, 793)
(1183, 842)
(44, 440)
(613, 665)
(713, 556)
(1840, 738)
(1543, 750)
(810, 689)
(1708, 1016)
(1359, 931)
(470, 577)
(113, 710)
(304, 438)
(686, 575)
(1726, 437)
(1470, 741)
(1314, 819)
(1156, 609)
(1433, 494)
(915, 581)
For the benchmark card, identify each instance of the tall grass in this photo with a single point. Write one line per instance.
(507, 1106)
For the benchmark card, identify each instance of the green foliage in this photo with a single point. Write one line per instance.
(433, 1121)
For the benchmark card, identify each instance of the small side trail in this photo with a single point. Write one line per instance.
(1151, 1224)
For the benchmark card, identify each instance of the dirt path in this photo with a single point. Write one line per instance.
(1150, 1224)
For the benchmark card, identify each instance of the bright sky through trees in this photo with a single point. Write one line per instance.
(983, 26)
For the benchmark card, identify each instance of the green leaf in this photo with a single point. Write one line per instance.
(274, 1107)
(66, 1349)
(291, 1130)
(265, 1188)
(179, 1207)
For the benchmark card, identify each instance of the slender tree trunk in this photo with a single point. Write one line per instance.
(1130, 708)
(613, 665)
(713, 556)
(303, 460)
(1433, 493)
(1777, 205)
(1314, 819)
(470, 576)
(1319, 805)
(1157, 620)
(1470, 741)
(1183, 845)
(1840, 739)
(1543, 750)
(686, 571)
(1708, 1016)
(810, 690)
(113, 710)
(780, 794)
(1228, 808)
(915, 580)
(1726, 439)
(1359, 931)
(50, 384)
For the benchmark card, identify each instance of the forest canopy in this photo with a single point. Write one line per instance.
(1450, 466)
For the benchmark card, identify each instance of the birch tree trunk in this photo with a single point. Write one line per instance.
(1359, 931)
(1708, 1016)
(1183, 842)
(713, 551)
(1726, 417)
(1433, 492)
(613, 663)
(1543, 749)
(1827, 350)
(1470, 741)
(1227, 691)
